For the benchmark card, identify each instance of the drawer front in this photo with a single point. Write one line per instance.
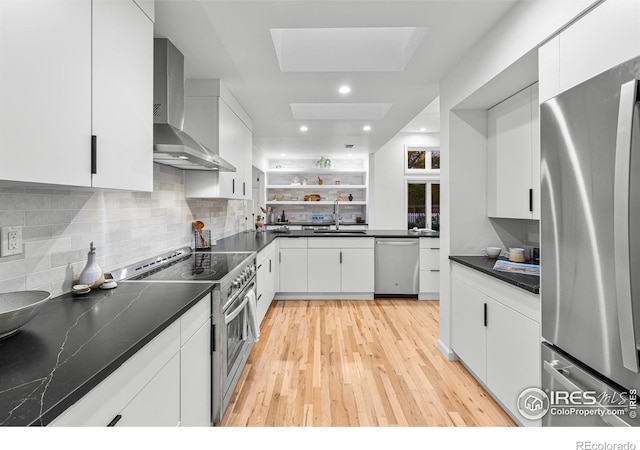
(292, 242)
(429, 281)
(429, 259)
(429, 242)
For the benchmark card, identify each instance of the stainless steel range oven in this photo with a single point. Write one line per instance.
(235, 341)
(234, 277)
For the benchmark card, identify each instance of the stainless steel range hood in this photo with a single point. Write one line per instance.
(171, 145)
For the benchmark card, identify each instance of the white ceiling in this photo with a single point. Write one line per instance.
(285, 60)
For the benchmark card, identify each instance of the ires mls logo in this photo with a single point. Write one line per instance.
(533, 403)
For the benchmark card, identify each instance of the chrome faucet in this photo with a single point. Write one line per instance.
(336, 213)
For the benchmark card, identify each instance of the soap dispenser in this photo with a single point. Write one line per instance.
(92, 273)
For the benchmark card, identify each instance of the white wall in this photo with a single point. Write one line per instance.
(387, 180)
(522, 29)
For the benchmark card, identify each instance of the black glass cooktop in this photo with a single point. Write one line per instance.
(196, 267)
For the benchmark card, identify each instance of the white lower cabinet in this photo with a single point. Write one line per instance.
(195, 366)
(292, 261)
(429, 269)
(265, 279)
(324, 269)
(341, 265)
(166, 383)
(358, 269)
(496, 334)
(158, 403)
(326, 265)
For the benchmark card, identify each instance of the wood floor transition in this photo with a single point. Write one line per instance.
(356, 363)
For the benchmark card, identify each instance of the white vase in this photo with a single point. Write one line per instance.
(92, 273)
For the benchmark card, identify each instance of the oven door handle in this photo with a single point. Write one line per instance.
(232, 315)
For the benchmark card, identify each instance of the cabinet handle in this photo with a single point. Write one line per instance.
(485, 314)
(269, 265)
(340, 256)
(434, 270)
(279, 257)
(213, 338)
(94, 154)
(259, 297)
(233, 185)
(530, 200)
(115, 420)
(260, 265)
(244, 190)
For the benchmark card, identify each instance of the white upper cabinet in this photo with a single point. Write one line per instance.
(514, 157)
(215, 119)
(64, 62)
(122, 96)
(45, 91)
(605, 37)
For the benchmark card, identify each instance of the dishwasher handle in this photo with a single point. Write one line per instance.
(396, 243)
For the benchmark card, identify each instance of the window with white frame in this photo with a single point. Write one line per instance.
(421, 160)
(423, 203)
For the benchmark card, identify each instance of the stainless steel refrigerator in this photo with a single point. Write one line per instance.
(590, 249)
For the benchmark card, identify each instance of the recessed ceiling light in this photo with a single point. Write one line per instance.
(283, 154)
(423, 129)
(366, 128)
(183, 157)
(303, 128)
(344, 89)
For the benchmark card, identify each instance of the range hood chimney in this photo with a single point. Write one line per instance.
(171, 145)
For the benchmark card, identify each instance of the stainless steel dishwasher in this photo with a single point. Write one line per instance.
(397, 266)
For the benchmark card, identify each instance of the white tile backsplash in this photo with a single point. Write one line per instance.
(126, 227)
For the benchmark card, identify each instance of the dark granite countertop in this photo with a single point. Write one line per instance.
(254, 241)
(75, 342)
(316, 224)
(485, 265)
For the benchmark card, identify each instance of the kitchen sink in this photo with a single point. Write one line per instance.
(343, 232)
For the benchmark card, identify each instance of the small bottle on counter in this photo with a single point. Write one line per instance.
(283, 218)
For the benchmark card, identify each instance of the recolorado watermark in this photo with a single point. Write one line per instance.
(590, 445)
(534, 404)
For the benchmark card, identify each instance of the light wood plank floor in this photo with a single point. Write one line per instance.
(356, 363)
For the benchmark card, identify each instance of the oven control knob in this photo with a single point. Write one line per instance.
(235, 284)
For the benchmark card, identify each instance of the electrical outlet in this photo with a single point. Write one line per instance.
(10, 241)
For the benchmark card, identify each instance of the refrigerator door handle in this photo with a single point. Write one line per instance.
(568, 384)
(628, 96)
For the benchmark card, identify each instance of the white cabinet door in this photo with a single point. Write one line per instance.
(158, 403)
(324, 267)
(513, 353)
(231, 148)
(509, 157)
(122, 92)
(430, 282)
(269, 276)
(195, 378)
(468, 330)
(45, 91)
(293, 269)
(358, 270)
(71, 70)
